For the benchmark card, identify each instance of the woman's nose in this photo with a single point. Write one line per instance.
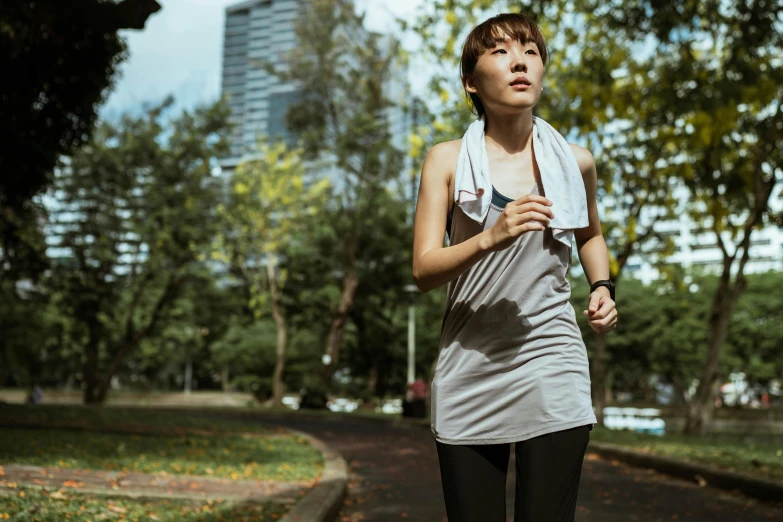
(519, 63)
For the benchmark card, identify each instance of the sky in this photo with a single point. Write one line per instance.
(179, 52)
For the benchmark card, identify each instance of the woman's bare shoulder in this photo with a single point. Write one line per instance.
(442, 158)
(584, 158)
(446, 152)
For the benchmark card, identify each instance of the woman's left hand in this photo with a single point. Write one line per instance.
(601, 313)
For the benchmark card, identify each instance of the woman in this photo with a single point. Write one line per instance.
(512, 365)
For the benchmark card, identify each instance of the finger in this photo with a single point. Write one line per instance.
(605, 307)
(514, 217)
(609, 327)
(532, 215)
(530, 226)
(535, 198)
(534, 207)
(595, 302)
(605, 321)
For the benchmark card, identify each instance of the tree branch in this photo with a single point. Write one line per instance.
(168, 295)
(129, 329)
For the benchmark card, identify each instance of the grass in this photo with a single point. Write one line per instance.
(282, 458)
(114, 418)
(730, 452)
(175, 399)
(176, 420)
(32, 505)
(752, 455)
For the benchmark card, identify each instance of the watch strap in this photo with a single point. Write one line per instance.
(604, 282)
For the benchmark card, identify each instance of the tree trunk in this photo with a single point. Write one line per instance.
(339, 318)
(648, 392)
(370, 388)
(188, 370)
(90, 367)
(702, 405)
(5, 361)
(372, 379)
(701, 408)
(598, 378)
(224, 378)
(679, 393)
(278, 389)
(102, 389)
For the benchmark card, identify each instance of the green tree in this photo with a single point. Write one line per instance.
(342, 120)
(712, 88)
(268, 199)
(137, 205)
(380, 311)
(49, 110)
(756, 329)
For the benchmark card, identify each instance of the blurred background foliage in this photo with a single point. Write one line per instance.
(162, 280)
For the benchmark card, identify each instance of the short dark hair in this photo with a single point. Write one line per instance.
(487, 34)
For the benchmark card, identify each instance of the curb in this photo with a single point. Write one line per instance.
(762, 489)
(324, 501)
(321, 503)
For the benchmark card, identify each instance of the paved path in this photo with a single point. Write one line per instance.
(395, 476)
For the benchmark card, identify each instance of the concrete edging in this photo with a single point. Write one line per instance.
(321, 503)
(324, 501)
(762, 489)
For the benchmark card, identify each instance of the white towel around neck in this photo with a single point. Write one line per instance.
(560, 175)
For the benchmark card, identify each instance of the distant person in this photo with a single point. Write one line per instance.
(36, 396)
(417, 389)
(512, 365)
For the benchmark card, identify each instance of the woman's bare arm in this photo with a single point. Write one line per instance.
(434, 264)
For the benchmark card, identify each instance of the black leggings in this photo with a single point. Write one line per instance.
(548, 469)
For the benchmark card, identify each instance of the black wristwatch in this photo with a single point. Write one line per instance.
(604, 282)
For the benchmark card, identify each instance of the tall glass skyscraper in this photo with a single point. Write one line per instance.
(257, 30)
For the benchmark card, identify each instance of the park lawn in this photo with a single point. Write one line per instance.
(281, 458)
(760, 459)
(118, 419)
(35, 505)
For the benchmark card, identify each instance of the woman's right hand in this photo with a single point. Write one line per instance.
(528, 213)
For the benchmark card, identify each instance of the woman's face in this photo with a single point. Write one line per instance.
(508, 78)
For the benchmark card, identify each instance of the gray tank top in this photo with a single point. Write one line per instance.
(512, 364)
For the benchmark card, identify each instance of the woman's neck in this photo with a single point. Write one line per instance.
(510, 134)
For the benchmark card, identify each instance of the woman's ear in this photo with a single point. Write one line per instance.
(469, 85)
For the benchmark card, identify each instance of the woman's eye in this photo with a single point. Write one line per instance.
(498, 50)
(531, 51)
